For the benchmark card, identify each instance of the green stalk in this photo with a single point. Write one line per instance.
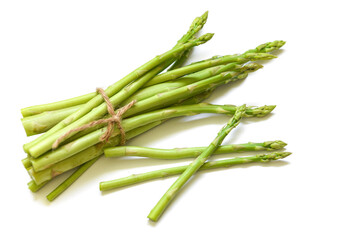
(70, 180)
(170, 194)
(143, 177)
(179, 153)
(40, 173)
(96, 108)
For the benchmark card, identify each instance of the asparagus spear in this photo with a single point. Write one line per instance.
(45, 169)
(142, 177)
(179, 153)
(70, 180)
(160, 207)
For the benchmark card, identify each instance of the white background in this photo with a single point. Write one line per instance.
(53, 50)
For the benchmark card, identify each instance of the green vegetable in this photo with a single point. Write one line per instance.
(70, 180)
(142, 177)
(179, 153)
(170, 194)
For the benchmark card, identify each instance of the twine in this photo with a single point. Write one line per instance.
(115, 119)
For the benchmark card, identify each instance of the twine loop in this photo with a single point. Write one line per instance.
(114, 119)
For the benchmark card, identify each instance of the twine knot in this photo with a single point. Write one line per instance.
(114, 119)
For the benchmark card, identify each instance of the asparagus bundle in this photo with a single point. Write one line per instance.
(158, 95)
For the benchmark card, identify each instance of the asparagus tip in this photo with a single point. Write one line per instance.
(274, 145)
(205, 15)
(252, 67)
(271, 46)
(273, 156)
(206, 37)
(260, 111)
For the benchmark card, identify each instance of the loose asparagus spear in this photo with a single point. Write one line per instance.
(142, 177)
(70, 180)
(45, 170)
(179, 153)
(160, 207)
